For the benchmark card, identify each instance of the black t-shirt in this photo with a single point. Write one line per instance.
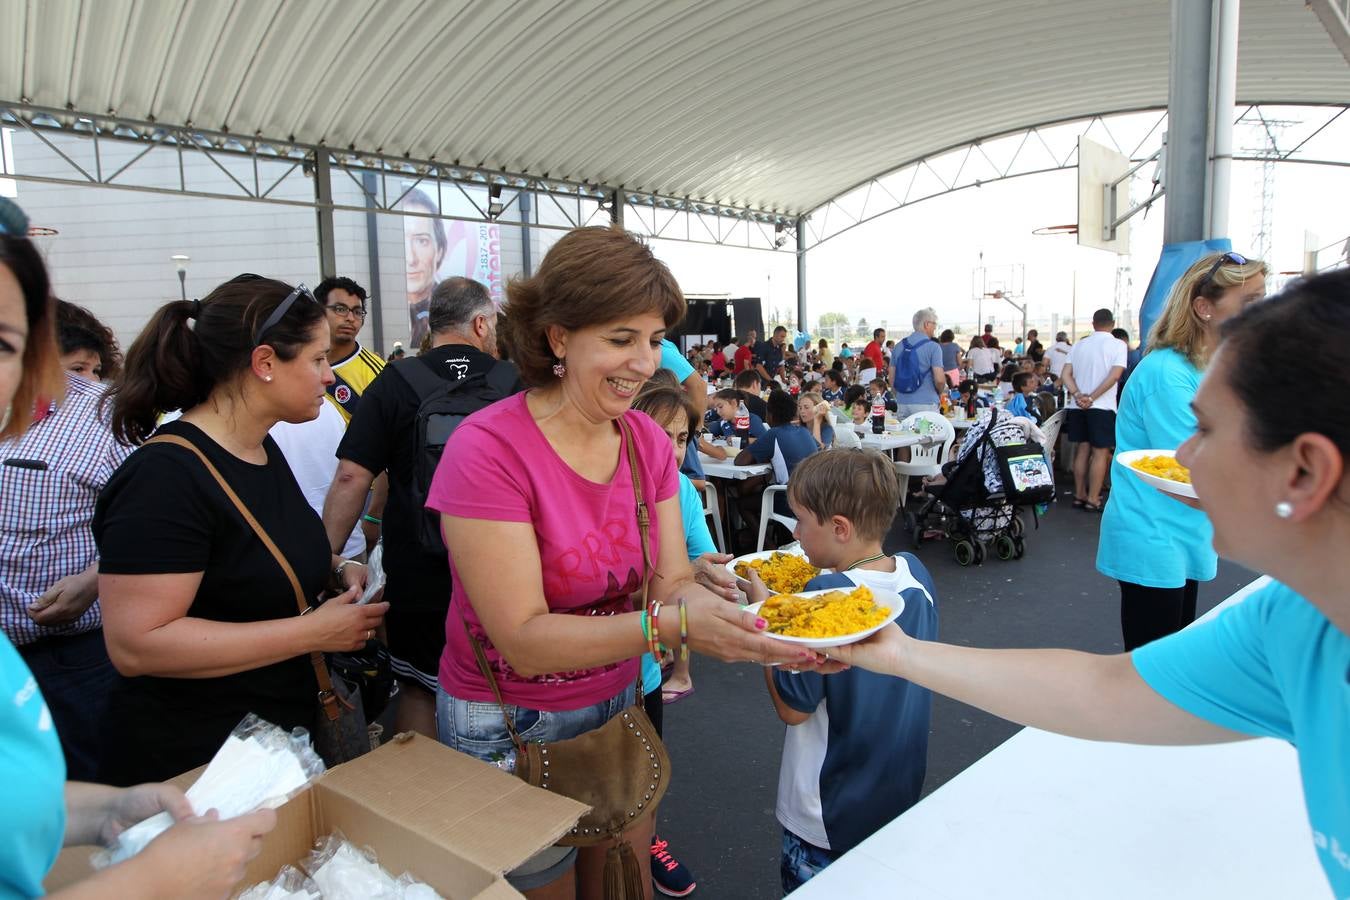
(382, 436)
(161, 513)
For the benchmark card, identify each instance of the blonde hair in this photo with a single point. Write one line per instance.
(1180, 326)
(859, 485)
(813, 396)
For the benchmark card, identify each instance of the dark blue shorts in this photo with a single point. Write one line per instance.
(1095, 426)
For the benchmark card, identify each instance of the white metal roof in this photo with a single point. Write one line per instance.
(772, 104)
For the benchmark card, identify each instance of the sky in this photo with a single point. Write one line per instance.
(926, 254)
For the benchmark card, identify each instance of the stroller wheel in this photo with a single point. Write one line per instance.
(913, 529)
(980, 553)
(1021, 547)
(965, 552)
(1015, 527)
(1005, 547)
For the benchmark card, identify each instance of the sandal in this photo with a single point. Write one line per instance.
(1093, 507)
(668, 697)
(1079, 504)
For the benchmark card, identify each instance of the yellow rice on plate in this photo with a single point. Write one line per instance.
(1163, 467)
(782, 573)
(835, 614)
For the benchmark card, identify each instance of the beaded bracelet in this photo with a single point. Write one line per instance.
(654, 640)
(684, 631)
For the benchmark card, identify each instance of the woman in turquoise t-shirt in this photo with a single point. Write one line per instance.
(1158, 550)
(1270, 462)
(42, 811)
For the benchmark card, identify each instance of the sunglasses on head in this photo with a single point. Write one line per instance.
(280, 312)
(1235, 259)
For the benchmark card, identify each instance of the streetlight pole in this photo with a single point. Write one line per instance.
(180, 262)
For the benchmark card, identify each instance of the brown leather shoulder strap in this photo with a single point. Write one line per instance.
(315, 657)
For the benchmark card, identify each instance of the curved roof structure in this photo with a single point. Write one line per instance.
(769, 104)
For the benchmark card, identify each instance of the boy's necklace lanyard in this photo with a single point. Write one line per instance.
(867, 560)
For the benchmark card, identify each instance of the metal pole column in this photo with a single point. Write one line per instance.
(323, 212)
(368, 186)
(526, 260)
(801, 273)
(1189, 114)
(1221, 125)
(616, 210)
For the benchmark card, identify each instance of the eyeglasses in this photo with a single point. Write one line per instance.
(1236, 259)
(280, 312)
(342, 310)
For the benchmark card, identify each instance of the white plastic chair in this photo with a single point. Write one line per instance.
(1051, 430)
(766, 514)
(925, 459)
(712, 510)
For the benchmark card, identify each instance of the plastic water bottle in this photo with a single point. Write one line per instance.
(878, 414)
(743, 425)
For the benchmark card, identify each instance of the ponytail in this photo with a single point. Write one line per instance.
(162, 373)
(175, 364)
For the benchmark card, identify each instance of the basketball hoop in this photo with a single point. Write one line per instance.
(1053, 230)
(41, 231)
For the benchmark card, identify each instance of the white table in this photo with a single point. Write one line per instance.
(725, 468)
(889, 440)
(1046, 816)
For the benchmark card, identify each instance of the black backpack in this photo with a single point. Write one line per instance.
(441, 406)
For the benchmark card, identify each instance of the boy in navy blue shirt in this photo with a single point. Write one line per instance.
(856, 750)
(785, 444)
(725, 404)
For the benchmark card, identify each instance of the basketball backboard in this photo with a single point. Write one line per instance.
(1098, 169)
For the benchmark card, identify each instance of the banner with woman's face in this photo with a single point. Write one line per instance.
(436, 249)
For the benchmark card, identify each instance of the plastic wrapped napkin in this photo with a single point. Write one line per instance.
(344, 871)
(290, 884)
(259, 765)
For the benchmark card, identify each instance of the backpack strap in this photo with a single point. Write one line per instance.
(504, 376)
(417, 373)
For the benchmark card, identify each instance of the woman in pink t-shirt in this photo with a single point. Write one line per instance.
(538, 511)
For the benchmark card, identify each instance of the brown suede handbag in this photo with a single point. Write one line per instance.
(621, 769)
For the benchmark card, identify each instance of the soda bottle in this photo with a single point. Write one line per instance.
(743, 425)
(878, 414)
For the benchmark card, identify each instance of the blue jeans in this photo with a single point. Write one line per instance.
(801, 861)
(476, 727)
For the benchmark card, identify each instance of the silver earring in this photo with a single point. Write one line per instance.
(559, 368)
(1284, 509)
(1207, 318)
(267, 378)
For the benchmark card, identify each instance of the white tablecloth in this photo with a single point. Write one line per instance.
(1046, 816)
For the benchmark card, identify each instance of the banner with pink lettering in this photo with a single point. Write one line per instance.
(437, 249)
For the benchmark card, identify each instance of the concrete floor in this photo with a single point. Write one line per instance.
(725, 740)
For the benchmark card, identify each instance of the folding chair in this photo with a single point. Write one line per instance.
(767, 514)
(713, 510)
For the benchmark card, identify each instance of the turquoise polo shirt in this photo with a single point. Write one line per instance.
(1273, 666)
(697, 541)
(1147, 537)
(33, 771)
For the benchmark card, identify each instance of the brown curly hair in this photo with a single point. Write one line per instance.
(590, 277)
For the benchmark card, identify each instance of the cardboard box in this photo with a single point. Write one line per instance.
(452, 821)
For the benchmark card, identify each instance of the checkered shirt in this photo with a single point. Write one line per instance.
(46, 514)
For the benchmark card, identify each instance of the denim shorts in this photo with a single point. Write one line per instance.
(476, 727)
(801, 861)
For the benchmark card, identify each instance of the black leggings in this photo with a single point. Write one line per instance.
(655, 708)
(1148, 613)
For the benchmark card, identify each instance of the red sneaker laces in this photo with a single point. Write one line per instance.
(659, 851)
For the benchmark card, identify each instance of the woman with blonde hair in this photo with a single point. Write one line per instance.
(1159, 550)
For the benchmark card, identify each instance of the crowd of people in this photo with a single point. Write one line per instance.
(533, 483)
